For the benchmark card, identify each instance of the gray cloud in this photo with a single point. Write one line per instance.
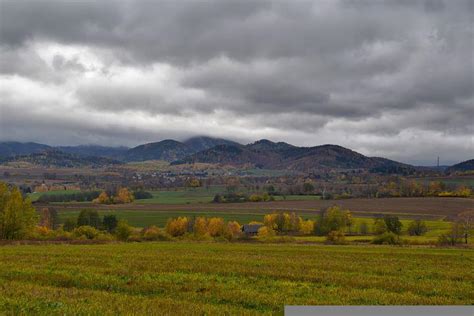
(376, 76)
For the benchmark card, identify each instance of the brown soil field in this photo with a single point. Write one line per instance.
(407, 207)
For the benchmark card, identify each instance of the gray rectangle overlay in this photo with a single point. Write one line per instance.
(379, 310)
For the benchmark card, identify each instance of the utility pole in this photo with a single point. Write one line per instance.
(438, 162)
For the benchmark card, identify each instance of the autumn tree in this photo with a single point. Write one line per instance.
(233, 230)
(124, 196)
(17, 215)
(333, 219)
(200, 226)
(216, 226)
(193, 183)
(103, 198)
(306, 227)
(177, 226)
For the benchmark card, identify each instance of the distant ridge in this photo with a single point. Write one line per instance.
(271, 155)
(56, 158)
(467, 165)
(172, 150)
(260, 154)
(8, 149)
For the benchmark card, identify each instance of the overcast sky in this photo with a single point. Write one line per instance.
(385, 78)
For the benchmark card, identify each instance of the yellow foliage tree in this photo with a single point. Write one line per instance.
(194, 183)
(307, 227)
(233, 229)
(269, 220)
(124, 196)
(177, 226)
(200, 226)
(216, 226)
(17, 215)
(103, 198)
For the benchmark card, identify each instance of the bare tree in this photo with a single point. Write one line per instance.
(466, 221)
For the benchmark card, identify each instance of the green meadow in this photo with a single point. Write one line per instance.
(186, 278)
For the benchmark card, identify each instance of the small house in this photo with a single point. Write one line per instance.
(251, 229)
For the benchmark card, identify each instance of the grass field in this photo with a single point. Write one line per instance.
(460, 180)
(426, 208)
(205, 195)
(189, 196)
(216, 278)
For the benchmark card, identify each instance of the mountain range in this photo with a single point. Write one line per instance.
(261, 154)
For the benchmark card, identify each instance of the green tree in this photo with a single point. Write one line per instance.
(393, 224)
(17, 215)
(110, 222)
(88, 218)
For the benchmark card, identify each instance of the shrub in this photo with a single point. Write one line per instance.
(154, 233)
(336, 237)
(142, 195)
(87, 232)
(266, 232)
(417, 228)
(69, 224)
(379, 226)
(256, 198)
(387, 238)
(88, 218)
(123, 230)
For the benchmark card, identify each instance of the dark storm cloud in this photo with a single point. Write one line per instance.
(371, 75)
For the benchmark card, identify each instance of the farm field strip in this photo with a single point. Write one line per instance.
(239, 278)
(159, 218)
(430, 207)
